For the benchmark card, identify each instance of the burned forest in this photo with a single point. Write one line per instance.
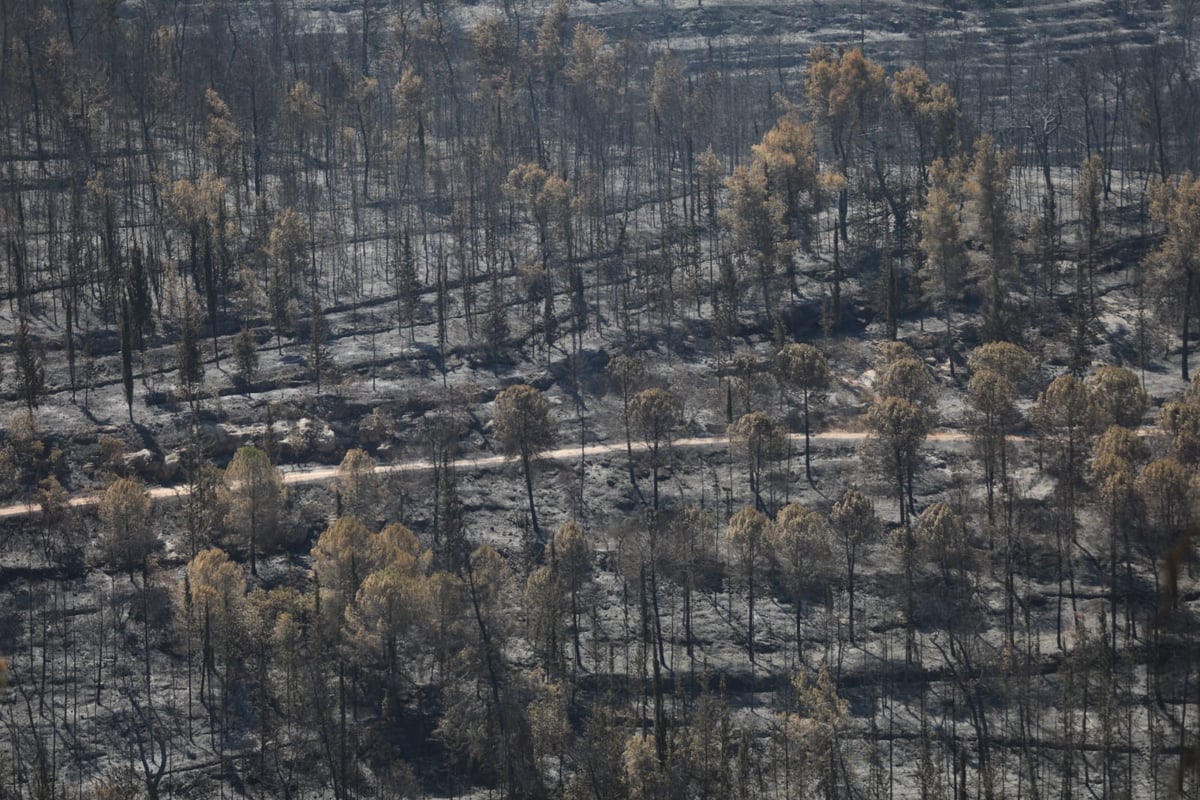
(599, 399)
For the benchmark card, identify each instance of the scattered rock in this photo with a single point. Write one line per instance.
(310, 440)
(217, 440)
(342, 412)
(150, 466)
(325, 443)
(372, 430)
(172, 468)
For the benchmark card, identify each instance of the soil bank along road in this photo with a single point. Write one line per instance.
(302, 475)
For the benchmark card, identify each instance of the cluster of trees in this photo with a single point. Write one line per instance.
(328, 684)
(248, 173)
(522, 671)
(208, 182)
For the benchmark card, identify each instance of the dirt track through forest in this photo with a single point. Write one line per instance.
(304, 475)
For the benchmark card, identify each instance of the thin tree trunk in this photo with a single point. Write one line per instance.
(525, 466)
(807, 443)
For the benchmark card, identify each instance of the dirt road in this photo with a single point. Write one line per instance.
(304, 475)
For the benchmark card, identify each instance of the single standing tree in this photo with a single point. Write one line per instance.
(357, 485)
(320, 361)
(499, 732)
(1175, 205)
(746, 378)
(803, 554)
(524, 428)
(1116, 450)
(252, 491)
(789, 159)
(747, 535)
(755, 220)
(286, 256)
(846, 91)
(690, 545)
(245, 358)
(573, 555)
(855, 524)
(906, 378)
(1006, 359)
(1063, 417)
(803, 368)
(1089, 195)
(201, 508)
(388, 605)
(29, 372)
(988, 187)
(763, 443)
(627, 375)
(395, 547)
(1117, 397)
(552, 37)
(1117, 455)
(816, 729)
(545, 616)
(896, 428)
(126, 358)
(451, 545)
(999, 372)
(656, 413)
(1180, 419)
(1167, 491)
(125, 514)
(342, 558)
(931, 109)
(942, 534)
(187, 350)
(992, 414)
(1120, 503)
(942, 246)
(217, 593)
(409, 97)
(548, 198)
(406, 283)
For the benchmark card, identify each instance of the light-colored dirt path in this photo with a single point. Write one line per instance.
(305, 475)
